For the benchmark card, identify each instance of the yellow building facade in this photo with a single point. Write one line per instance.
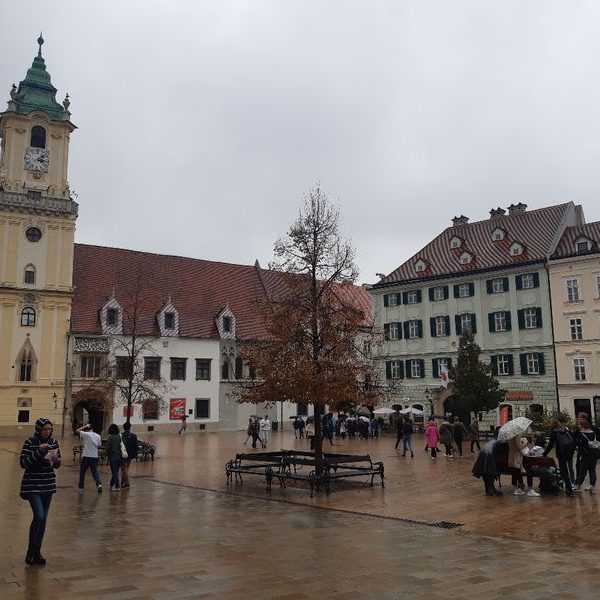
(575, 287)
(37, 226)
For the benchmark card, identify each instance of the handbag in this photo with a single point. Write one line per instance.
(124, 453)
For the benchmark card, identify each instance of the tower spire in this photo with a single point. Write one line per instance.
(40, 42)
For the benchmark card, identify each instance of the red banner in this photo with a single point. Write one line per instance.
(130, 412)
(177, 409)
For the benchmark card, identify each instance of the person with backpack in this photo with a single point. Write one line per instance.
(131, 445)
(562, 440)
(587, 438)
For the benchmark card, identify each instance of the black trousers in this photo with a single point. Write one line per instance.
(475, 442)
(566, 471)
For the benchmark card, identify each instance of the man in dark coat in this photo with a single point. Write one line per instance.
(485, 465)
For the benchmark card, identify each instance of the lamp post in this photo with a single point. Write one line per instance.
(429, 399)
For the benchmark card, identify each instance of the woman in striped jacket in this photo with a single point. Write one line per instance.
(39, 457)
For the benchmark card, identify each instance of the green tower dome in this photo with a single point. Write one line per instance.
(36, 91)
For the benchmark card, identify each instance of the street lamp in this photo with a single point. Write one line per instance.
(55, 398)
(429, 399)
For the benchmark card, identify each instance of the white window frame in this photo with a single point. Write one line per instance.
(412, 297)
(438, 293)
(533, 363)
(530, 318)
(415, 368)
(464, 290)
(527, 281)
(572, 287)
(413, 329)
(392, 300)
(575, 328)
(500, 321)
(466, 323)
(498, 286)
(455, 242)
(394, 331)
(465, 258)
(503, 364)
(577, 244)
(579, 369)
(440, 327)
(395, 369)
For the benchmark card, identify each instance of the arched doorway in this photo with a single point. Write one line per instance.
(88, 412)
(505, 414)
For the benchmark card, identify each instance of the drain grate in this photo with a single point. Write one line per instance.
(446, 525)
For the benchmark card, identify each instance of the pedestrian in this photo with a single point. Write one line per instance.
(327, 424)
(183, 427)
(301, 426)
(39, 458)
(517, 449)
(485, 465)
(587, 438)
(296, 425)
(113, 453)
(407, 433)
(310, 433)
(399, 428)
(432, 435)
(343, 428)
(89, 456)
(374, 428)
(248, 430)
(459, 432)
(351, 428)
(265, 429)
(564, 443)
(131, 445)
(447, 437)
(474, 434)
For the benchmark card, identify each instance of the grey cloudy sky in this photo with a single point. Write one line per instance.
(202, 124)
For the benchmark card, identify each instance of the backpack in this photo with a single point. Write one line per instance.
(565, 443)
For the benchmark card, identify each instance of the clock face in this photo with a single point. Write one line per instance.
(37, 159)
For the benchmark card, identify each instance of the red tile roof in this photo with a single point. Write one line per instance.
(199, 290)
(567, 245)
(535, 230)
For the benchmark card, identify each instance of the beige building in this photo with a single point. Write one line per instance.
(37, 223)
(575, 291)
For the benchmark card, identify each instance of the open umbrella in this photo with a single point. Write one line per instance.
(411, 410)
(363, 418)
(384, 410)
(513, 428)
(363, 410)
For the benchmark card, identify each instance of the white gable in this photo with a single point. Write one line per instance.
(455, 242)
(115, 328)
(168, 320)
(466, 258)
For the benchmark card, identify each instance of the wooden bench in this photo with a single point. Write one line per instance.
(145, 451)
(340, 467)
(260, 463)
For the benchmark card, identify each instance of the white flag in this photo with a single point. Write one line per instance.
(444, 380)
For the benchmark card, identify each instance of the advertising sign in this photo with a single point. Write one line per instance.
(176, 409)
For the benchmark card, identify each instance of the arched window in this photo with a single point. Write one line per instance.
(29, 274)
(38, 137)
(225, 370)
(25, 367)
(239, 368)
(28, 317)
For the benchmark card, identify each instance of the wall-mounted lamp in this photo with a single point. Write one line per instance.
(55, 398)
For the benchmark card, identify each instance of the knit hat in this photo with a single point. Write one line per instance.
(39, 424)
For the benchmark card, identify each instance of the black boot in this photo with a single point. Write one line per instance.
(38, 559)
(30, 558)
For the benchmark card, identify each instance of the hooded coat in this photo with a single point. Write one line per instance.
(39, 476)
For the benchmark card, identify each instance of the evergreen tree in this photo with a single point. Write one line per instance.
(476, 389)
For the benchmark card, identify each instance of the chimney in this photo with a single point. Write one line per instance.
(497, 212)
(513, 209)
(462, 220)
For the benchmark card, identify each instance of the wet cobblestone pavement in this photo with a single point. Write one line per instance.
(181, 532)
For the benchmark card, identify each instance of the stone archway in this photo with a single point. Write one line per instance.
(93, 402)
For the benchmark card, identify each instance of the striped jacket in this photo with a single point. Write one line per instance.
(39, 476)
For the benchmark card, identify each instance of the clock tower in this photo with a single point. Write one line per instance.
(37, 226)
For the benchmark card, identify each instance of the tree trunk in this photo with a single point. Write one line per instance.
(318, 411)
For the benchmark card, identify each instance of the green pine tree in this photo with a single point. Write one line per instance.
(476, 389)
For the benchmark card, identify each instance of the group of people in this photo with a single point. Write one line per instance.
(451, 434)
(258, 431)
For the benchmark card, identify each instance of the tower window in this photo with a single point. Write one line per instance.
(38, 137)
(28, 317)
(33, 234)
(25, 368)
(29, 276)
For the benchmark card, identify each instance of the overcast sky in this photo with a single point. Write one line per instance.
(202, 124)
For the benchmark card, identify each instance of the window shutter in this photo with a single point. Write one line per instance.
(446, 292)
(431, 294)
(471, 289)
(541, 363)
(538, 316)
(511, 365)
(491, 322)
(494, 365)
(432, 323)
(404, 297)
(422, 362)
(508, 321)
(398, 298)
(523, 360)
(435, 368)
(489, 286)
(521, 318)
(457, 324)
(386, 300)
(386, 331)
(473, 323)
(406, 332)
(399, 331)
(519, 282)
(505, 284)
(536, 280)
(456, 292)
(388, 369)
(419, 297)
(447, 319)
(449, 364)
(407, 370)
(401, 369)
(420, 323)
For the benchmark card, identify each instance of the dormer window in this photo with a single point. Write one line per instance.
(112, 317)
(227, 324)
(420, 265)
(582, 245)
(466, 258)
(516, 249)
(455, 242)
(169, 320)
(498, 234)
